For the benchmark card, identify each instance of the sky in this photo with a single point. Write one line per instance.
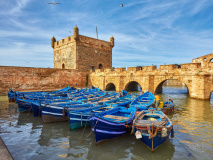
(146, 32)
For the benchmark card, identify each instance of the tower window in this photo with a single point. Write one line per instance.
(63, 66)
(93, 67)
(100, 66)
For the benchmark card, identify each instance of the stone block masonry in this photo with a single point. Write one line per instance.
(38, 79)
(81, 52)
(195, 76)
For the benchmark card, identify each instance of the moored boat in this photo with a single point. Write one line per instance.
(112, 123)
(55, 113)
(168, 107)
(143, 102)
(11, 95)
(152, 128)
(80, 118)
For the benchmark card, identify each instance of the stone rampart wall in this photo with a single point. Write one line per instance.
(197, 79)
(29, 79)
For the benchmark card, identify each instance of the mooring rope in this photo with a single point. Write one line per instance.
(87, 135)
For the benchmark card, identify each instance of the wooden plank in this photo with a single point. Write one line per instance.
(148, 122)
(116, 117)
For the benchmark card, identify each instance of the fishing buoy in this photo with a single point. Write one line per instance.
(138, 135)
(164, 132)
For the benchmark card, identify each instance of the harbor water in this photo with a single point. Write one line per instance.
(27, 137)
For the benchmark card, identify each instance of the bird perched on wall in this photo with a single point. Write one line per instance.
(122, 5)
(53, 3)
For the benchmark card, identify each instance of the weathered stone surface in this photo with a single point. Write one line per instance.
(197, 77)
(82, 53)
(26, 78)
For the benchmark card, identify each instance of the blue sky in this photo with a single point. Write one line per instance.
(146, 32)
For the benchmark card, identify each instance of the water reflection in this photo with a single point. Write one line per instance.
(27, 137)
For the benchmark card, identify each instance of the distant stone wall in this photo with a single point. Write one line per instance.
(198, 80)
(29, 79)
(206, 60)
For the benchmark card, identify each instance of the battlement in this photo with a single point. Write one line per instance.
(172, 68)
(168, 67)
(83, 40)
(149, 68)
(120, 69)
(135, 69)
(190, 66)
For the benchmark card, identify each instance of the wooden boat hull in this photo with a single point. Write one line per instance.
(167, 110)
(168, 107)
(36, 110)
(78, 120)
(24, 106)
(143, 102)
(152, 128)
(59, 111)
(11, 99)
(54, 114)
(155, 142)
(105, 130)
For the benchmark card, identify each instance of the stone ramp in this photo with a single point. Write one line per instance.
(4, 152)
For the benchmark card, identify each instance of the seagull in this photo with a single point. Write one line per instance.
(122, 5)
(53, 3)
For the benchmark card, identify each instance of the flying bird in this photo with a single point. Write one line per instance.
(122, 5)
(53, 3)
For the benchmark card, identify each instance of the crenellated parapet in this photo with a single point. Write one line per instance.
(168, 67)
(192, 68)
(149, 68)
(83, 40)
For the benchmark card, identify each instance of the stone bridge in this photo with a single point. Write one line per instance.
(197, 76)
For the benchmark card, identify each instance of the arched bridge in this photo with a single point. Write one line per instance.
(197, 76)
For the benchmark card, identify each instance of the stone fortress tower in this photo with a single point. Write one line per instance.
(82, 53)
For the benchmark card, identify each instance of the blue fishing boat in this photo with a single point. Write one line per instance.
(168, 107)
(32, 104)
(121, 101)
(55, 113)
(112, 123)
(144, 101)
(80, 118)
(25, 105)
(37, 105)
(152, 128)
(11, 95)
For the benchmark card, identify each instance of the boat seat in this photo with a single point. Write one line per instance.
(116, 117)
(150, 114)
(147, 122)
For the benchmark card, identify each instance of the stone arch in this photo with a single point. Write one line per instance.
(133, 86)
(159, 86)
(110, 87)
(63, 66)
(211, 60)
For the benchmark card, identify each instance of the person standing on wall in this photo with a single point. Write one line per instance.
(157, 100)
